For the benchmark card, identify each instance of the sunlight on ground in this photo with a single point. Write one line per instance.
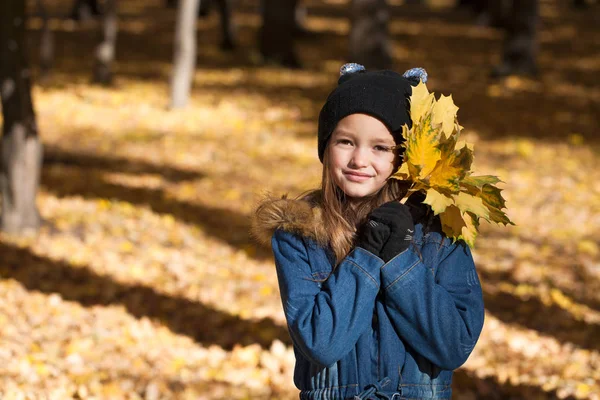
(144, 282)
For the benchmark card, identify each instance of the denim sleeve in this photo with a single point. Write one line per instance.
(325, 319)
(440, 316)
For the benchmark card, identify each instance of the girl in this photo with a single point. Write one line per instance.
(379, 303)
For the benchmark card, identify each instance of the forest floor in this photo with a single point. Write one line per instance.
(143, 282)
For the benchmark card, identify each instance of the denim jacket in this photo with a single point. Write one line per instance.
(368, 329)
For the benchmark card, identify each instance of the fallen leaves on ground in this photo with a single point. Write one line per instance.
(144, 284)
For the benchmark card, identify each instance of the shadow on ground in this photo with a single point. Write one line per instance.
(491, 389)
(88, 181)
(532, 313)
(202, 323)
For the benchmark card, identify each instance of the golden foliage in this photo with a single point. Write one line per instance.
(177, 315)
(440, 166)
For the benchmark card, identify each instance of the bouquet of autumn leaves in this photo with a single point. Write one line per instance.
(439, 165)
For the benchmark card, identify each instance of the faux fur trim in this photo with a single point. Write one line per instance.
(296, 216)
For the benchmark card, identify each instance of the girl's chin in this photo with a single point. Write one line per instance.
(358, 192)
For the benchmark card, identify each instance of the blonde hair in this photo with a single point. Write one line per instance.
(340, 218)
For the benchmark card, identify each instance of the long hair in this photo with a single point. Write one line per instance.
(341, 218)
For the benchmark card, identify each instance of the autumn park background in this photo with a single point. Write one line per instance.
(143, 282)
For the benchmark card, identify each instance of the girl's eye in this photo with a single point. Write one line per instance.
(344, 142)
(382, 148)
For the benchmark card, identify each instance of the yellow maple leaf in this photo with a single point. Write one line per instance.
(469, 231)
(437, 201)
(452, 167)
(461, 143)
(491, 196)
(479, 181)
(452, 221)
(492, 199)
(421, 150)
(406, 162)
(402, 173)
(444, 112)
(499, 217)
(420, 102)
(466, 202)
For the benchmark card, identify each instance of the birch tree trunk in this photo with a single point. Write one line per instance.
(21, 150)
(369, 38)
(105, 52)
(184, 61)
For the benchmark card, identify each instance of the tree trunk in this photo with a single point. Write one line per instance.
(520, 44)
(300, 15)
(205, 7)
(46, 42)
(184, 61)
(105, 52)
(84, 10)
(227, 24)
(369, 37)
(21, 155)
(277, 33)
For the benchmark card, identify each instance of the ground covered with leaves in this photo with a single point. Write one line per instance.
(143, 282)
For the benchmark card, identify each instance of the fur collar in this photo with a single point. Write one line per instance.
(302, 217)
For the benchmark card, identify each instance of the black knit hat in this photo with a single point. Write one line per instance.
(380, 94)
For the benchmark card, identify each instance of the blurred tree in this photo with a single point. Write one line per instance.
(488, 12)
(579, 4)
(369, 38)
(105, 52)
(520, 43)
(184, 61)
(21, 158)
(85, 9)
(276, 38)
(46, 42)
(227, 24)
(225, 8)
(300, 19)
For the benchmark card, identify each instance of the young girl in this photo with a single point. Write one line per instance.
(379, 303)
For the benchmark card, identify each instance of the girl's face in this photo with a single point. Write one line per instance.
(361, 155)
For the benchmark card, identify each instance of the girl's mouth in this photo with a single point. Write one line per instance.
(356, 176)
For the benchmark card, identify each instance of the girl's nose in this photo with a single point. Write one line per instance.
(359, 158)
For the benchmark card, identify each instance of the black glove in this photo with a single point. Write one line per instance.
(396, 216)
(373, 236)
(417, 208)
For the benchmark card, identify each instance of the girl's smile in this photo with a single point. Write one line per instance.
(355, 176)
(361, 155)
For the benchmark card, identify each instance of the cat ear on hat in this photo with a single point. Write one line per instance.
(350, 70)
(415, 75)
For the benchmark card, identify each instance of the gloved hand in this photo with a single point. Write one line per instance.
(372, 236)
(397, 217)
